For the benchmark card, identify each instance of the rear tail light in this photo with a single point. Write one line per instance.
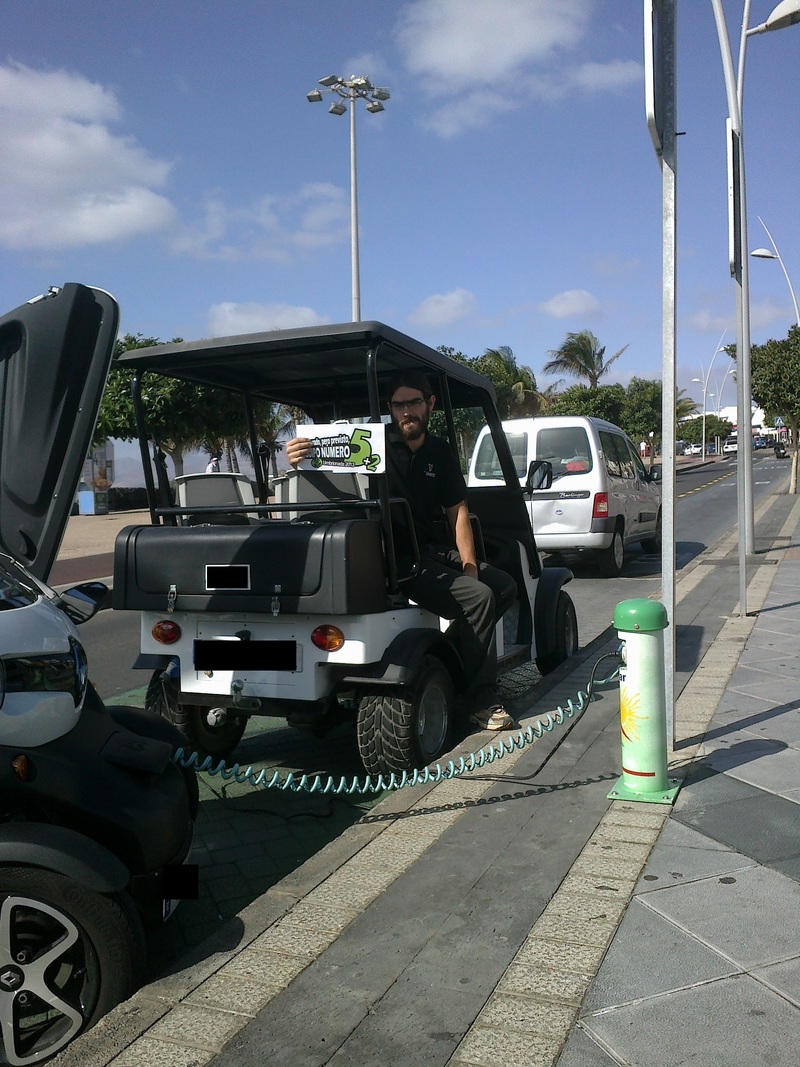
(166, 632)
(327, 638)
(600, 509)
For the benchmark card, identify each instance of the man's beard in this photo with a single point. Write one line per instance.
(412, 428)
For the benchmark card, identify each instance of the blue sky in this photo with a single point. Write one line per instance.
(509, 193)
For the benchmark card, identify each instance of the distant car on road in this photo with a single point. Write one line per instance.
(730, 445)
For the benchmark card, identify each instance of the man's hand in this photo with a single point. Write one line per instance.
(298, 448)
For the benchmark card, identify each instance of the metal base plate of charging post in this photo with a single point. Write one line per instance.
(656, 796)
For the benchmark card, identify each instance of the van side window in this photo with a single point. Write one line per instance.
(611, 454)
(638, 466)
(487, 462)
(566, 447)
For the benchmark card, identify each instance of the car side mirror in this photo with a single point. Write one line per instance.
(82, 602)
(540, 475)
(655, 474)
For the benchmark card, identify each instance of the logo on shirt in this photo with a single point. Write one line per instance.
(430, 472)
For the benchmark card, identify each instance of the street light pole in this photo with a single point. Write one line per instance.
(704, 382)
(352, 89)
(785, 14)
(764, 253)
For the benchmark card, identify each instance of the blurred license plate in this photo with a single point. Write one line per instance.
(245, 655)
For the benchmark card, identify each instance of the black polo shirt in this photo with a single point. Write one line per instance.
(430, 479)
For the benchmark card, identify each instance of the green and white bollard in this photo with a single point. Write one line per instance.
(642, 704)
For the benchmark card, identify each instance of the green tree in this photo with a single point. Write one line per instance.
(181, 416)
(604, 402)
(775, 380)
(684, 405)
(515, 386)
(581, 355)
(641, 410)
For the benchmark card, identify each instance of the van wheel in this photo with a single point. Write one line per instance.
(653, 544)
(402, 731)
(190, 719)
(610, 559)
(566, 631)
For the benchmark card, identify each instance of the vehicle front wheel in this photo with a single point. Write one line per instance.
(70, 955)
(610, 559)
(163, 698)
(566, 634)
(402, 731)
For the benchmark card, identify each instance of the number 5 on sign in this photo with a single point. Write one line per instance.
(346, 446)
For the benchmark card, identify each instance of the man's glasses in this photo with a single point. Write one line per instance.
(415, 404)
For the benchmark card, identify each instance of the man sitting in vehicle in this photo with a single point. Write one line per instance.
(451, 583)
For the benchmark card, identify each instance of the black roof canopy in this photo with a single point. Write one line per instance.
(314, 368)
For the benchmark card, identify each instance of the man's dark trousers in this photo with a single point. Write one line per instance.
(475, 606)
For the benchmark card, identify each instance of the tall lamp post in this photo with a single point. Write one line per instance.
(704, 382)
(764, 253)
(785, 14)
(351, 89)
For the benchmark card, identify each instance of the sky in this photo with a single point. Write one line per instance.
(508, 194)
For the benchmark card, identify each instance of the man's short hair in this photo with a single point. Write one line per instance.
(410, 379)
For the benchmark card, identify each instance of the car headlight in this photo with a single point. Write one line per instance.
(59, 672)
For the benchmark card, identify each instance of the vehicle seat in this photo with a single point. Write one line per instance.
(207, 490)
(313, 487)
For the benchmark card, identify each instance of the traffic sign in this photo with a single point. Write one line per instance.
(779, 423)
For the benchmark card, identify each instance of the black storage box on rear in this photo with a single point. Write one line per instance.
(315, 568)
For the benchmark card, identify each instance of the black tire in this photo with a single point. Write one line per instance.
(402, 731)
(202, 738)
(653, 544)
(566, 630)
(610, 559)
(93, 944)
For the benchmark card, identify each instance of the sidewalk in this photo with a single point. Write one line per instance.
(516, 915)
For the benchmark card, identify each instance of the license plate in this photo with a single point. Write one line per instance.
(245, 655)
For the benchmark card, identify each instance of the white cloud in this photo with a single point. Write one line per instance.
(444, 308)
(467, 54)
(276, 228)
(572, 303)
(618, 74)
(456, 45)
(65, 179)
(229, 319)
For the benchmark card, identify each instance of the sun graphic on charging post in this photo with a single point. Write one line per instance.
(629, 713)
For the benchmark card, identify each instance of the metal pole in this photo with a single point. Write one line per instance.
(661, 106)
(355, 269)
(737, 217)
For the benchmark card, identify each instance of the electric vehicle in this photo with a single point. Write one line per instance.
(293, 604)
(95, 817)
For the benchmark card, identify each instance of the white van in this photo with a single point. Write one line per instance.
(602, 498)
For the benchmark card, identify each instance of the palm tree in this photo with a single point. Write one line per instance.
(581, 356)
(516, 389)
(685, 407)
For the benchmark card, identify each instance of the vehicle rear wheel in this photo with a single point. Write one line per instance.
(653, 544)
(192, 719)
(566, 631)
(610, 559)
(70, 956)
(401, 731)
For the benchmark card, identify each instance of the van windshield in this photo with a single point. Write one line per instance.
(566, 447)
(487, 462)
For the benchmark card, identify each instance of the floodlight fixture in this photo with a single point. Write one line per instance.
(356, 87)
